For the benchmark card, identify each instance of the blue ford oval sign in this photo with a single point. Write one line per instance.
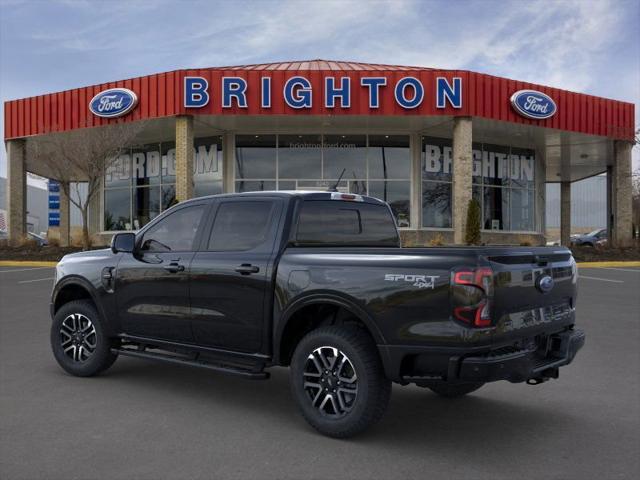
(545, 283)
(533, 104)
(114, 102)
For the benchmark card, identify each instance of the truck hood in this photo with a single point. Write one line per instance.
(86, 256)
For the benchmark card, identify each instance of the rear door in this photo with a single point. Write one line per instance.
(231, 274)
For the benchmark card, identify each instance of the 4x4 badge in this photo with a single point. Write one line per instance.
(420, 281)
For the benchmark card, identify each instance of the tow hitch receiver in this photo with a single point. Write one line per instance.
(545, 375)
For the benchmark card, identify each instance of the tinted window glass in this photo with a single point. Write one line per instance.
(345, 223)
(174, 233)
(255, 156)
(300, 156)
(117, 214)
(241, 226)
(436, 204)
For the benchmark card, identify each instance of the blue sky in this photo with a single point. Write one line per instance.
(582, 45)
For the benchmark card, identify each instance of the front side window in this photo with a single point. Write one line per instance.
(174, 233)
(241, 226)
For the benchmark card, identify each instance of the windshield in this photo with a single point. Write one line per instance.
(594, 233)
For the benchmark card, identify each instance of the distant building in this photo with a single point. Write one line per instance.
(37, 207)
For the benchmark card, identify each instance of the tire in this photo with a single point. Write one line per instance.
(355, 396)
(454, 390)
(78, 329)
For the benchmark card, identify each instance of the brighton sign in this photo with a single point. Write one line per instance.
(489, 162)
(298, 93)
(113, 103)
(533, 104)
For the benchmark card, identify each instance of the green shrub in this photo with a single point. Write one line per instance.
(472, 233)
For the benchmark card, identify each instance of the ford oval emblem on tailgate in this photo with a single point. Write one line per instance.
(544, 283)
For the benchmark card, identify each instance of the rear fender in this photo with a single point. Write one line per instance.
(317, 298)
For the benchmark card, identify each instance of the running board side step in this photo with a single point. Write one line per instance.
(229, 370)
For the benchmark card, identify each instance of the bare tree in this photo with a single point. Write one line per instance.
(82, 156)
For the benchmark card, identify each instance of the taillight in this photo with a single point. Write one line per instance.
(473, 288)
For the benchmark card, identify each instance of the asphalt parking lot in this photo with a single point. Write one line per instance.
(146, 420)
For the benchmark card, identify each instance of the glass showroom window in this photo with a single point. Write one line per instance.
(117, 194)
(436, 182)
(503, 184)
(389, 173)
(379, 165)
(505, 175)
(141, 182)
(207, 166)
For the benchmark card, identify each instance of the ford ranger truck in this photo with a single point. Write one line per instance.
(316, 281)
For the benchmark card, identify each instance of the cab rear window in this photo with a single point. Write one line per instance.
(338, 223)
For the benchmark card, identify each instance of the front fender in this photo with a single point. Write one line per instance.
(76, 280)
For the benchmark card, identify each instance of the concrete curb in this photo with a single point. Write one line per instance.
(26, 263)
(608, 264)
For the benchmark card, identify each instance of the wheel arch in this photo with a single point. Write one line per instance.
(76, 288)
(289, 327)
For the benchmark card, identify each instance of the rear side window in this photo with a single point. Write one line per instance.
(240, 226)
(346, 223)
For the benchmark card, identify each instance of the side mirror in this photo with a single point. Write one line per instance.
(123, 242)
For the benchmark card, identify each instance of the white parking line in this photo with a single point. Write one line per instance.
(24, 269)
(601, 279)
(36, 280)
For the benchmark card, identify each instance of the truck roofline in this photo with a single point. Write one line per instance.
(303, 194)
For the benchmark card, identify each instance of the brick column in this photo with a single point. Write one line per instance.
(565, 213)
(462, 175)
(416, 180)
(65, 216)
(228, 162)
(16, 191)
(184, 157)
(621, 185)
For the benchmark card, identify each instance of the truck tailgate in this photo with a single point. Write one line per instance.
(534, 292)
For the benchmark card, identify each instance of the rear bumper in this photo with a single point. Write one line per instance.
(424, 365)
(524, 365)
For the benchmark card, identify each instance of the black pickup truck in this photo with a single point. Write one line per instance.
(316, 281)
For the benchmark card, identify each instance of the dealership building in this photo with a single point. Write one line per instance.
(425, 140)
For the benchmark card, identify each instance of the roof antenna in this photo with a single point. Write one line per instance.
(335, 187)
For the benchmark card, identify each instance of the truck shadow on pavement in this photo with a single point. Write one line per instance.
(416, 417)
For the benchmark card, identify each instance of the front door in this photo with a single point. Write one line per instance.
(152, 284)
(231, 274)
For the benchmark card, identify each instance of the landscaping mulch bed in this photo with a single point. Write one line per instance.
(32, 253)
(591, 254)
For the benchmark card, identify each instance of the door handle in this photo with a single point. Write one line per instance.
(174, 267)
(247, 269)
